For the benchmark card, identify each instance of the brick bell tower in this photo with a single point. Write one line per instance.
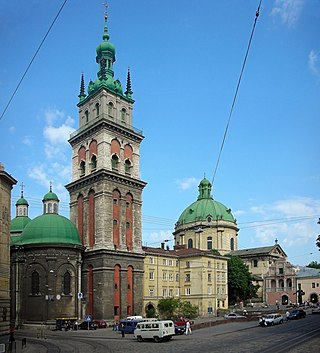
(106, 193)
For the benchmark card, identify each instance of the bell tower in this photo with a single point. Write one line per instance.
(106, 191)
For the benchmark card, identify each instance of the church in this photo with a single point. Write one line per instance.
(94, 264)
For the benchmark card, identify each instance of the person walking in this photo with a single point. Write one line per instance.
(122, 330)
(188, 328)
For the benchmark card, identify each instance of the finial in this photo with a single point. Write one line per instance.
(128, 91)
(82, 94)
(22, 185)
(276, 241)
(50, 186)
(106, 6)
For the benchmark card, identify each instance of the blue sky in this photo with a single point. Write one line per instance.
(185, 59)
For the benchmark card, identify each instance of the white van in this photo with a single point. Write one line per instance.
(136, 317)
(156, 330)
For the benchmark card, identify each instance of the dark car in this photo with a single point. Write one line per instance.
(297, 314)
(87, 325)
(179, 330)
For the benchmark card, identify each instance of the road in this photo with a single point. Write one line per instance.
(294, 336)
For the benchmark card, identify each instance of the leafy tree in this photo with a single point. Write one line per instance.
(186, 309)
(314, 264)
(151, 312)
(318, 242)
(167, 307)
(240, 286)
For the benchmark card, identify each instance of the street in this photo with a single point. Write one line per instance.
(293, 336)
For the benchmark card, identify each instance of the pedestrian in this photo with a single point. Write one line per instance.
(287, 315)
(12, 332)
(188, 328)
(122, 330)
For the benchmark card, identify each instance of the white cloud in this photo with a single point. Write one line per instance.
(27, 140)
(187, 183)
(314, 62)
(12, 129)
(39, 174)
(292, 222)
(287, 10)
(154, 239)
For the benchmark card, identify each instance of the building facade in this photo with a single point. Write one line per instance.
(272, 271)
(106, 192)
(6, 184)
(308, 285)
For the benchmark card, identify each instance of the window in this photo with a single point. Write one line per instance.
(170, 263)
(209, 277)
(280, 271)
(171, 292)
(87, 116)
(209, 290)
(171, 277)
(190, 244)
(313, 285)
(223, 265)
(35, 283)
(67, 283)
(177, 292)
(164, 276)
(177, 277)
(164, 262)
(127, 166)
(151, 292)
(223, 277)
(115, 201)
(82, 168)
(123, 114)
(231, 244)
(164, 292)
(209, 243)
(151, 276)
(127, 225)
(188, 291)
(255, 263)
(97, 109)
(110, 109)
(187, 277)
(115, 222)
(177, 263)
(151, 260)
(114, 162)
(187, 264)
(93, 163)
(209, 263)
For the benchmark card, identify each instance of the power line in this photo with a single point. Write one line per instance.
(32, 60)
(236, 93)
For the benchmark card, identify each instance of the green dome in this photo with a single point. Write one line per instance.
(50, 196)
(18, 224)
(105, 47)
(22, 202)
(50, 228)
(205, 208)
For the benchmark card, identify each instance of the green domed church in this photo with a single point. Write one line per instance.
(46, 258)
(207, 224)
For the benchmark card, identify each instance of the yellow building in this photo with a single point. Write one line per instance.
(308, 282)
(193, 275)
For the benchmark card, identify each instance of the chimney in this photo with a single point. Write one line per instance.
(162, 246)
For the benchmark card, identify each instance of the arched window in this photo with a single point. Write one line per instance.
(127, 167)
(97, 109)
(255, 263)
(50, 207)
(35, 283)
(87, 116)
(116, 218)
(281, 283)
(231, 244)
(55, 208)
(91, 218)
(273, 284)
(82, 168)
(123, 114)
(93, 163)
(114, 162)
(67, 283)
(190, 243)
(110, 109)
(209, 243)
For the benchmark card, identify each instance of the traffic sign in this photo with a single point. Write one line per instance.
(88, 318)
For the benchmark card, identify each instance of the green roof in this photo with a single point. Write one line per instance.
(18, 224)
(50, 196)
(205, 207)
(22, 201)
(50, 228)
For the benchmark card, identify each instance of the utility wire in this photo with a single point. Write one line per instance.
(236, 93)
(32, 60)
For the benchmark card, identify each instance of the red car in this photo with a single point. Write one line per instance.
(101, 323)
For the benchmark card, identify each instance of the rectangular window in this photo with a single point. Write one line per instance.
(280, 271)
(151, 260)
(209, 263)
(177, 263)
(164, 292)
(171, 276)
(177, 277)
(188, 291)
(313, 285)
(164, 262)
(170, 292)
(177, 292)
(170, 263)
(151, 276)
(187, 264)
(223, 265)
(151, 292)
(164, 275)
(218, 265)
(187, 278)
(209, 290)
(209, 277)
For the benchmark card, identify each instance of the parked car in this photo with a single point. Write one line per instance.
(270, 320)
(179, 330)
(182, 322)
(101, 323)
(297, 314)
(87, 325)
(316, 310)
(234, 316)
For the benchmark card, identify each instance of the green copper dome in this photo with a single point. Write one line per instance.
(22, 202)
(50, 196)
(205, 208)
(50, 228)
(18, 224)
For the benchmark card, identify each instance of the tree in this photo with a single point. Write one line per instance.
(314, 264)
(186, 309)
(167, 307)
(240, 286)
(318, 242)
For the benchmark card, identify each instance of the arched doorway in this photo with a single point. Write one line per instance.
(150, 310)
(314, 298)
(284, 300)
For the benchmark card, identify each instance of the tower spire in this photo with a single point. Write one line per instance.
(128, 91)
(82, 94)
